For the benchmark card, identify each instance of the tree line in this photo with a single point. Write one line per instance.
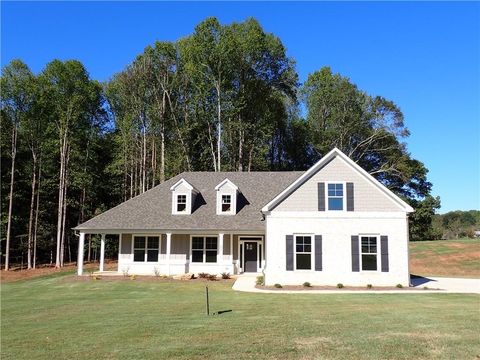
(225, 98)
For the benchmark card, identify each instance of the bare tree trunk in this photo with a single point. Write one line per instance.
(219, 136)
(32, 206)
(64, 212)
(144, 158)
(89, 248)
(35, 229)
(60, 200)
(179, 133)
(240, 151)
(10, 200)
(212, 147)
(250, 156)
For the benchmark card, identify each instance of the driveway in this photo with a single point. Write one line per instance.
(246, 283)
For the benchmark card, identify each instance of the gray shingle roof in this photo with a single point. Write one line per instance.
(152, 210)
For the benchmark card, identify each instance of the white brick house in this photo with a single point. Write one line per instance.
(331, 224)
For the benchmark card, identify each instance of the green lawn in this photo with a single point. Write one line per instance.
(445, 258)
(61, 318)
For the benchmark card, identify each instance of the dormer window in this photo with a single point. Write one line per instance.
(183, 197)
(226, 203)
(226, 198)
(181, 203)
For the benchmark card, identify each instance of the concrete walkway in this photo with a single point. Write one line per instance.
(246, 283)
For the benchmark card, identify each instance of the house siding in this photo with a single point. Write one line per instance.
(336, 249)
(367, 196)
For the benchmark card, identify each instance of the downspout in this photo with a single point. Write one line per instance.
(264, 248)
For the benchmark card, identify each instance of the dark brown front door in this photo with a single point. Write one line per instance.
(251, 260)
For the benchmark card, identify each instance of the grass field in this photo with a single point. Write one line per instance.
(60, 317)
(459, 258)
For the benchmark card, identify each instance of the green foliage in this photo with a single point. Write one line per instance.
(369, 286)
(340, 285)
(278, 286)
(307, 284)
(260, 280)
(400, 286)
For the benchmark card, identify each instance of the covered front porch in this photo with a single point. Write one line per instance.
(180, 252)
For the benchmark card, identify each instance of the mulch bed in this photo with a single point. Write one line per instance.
(355, 288)
(140, 278)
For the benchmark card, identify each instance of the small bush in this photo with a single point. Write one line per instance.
(212, 277)
(307, 284)
(425, 288)
(278, 286)
(192, 277)
(133, 277)
(340, 285)
(369, 286)
(225, 275)
(260, 280)
(203, 275)
(400, 286)
(156, 271)
(125, 272)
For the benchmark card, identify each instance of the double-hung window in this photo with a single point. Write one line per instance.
(369, 253)
(226, 203)
(181, 203)
(303, 252)
(204, 249)
(335, 196)
(146, 248)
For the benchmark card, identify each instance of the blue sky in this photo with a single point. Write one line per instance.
(423, 56)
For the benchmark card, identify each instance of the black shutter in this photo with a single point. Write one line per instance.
(321, 196)
(355, 254)
(350, 197)
(384, 252)
(318, 252)
(289, 252)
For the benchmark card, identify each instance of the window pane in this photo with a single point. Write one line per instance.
(152, 255)
(182, 199)
(211, 243)
(139, 255)
(181, 207)
(211, 256)
(335, 204)
(299, 248)
(139, 242)
(226, 199)
(197, 243)
(304, 262)
(226, 207)
(307, 240)
(369, 262)
(153, 242)
(331, 189)
(197, 255)
(307, 248)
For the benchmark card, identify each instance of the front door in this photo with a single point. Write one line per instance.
(251, 260)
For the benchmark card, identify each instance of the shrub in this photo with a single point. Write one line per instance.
(425, 288)
(225, 275)
(156, 271)
(125, 271)
(133, 277)
(278, 286)
(203, 275)
(212, 277)
(369, 286)
(400, 286)
(307, 284)
(192, 277)
(260, 280)
(340, 285)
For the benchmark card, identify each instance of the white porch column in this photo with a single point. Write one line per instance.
(102, 252)
(231, 248)
(220, 249)
(81, 245)
(169, 246)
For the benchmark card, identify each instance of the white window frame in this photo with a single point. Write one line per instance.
(146, 248)
(377, 236)
(312, 257)
(344, 202)
(230, 203)
(204, 255)
(187, 210)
